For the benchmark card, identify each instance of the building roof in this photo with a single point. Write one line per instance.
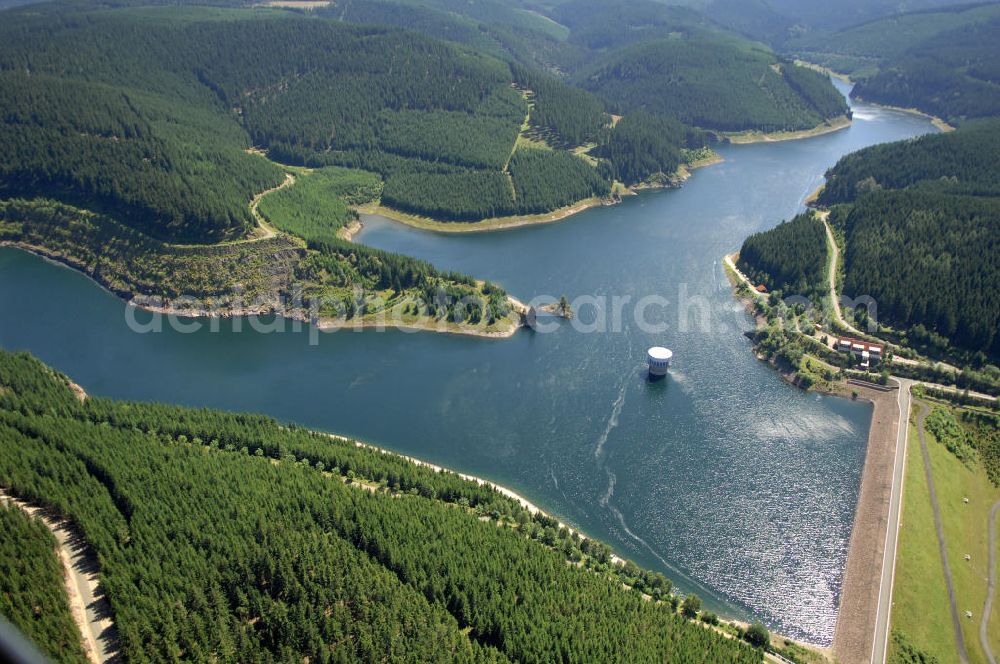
(858, 344)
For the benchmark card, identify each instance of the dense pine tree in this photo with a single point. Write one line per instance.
(233, 538)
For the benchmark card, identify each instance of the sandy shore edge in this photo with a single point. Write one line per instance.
(519, 221)
(749, 138)
(940, 123)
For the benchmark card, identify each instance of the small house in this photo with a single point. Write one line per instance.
(867, 354)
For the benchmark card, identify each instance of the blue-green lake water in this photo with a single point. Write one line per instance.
(736, 485)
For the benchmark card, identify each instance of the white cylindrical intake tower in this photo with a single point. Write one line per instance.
(659, 360)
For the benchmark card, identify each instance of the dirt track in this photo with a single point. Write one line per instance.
(88, 605)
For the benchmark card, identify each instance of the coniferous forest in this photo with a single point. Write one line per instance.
(148, 114)
(714, 85)
(32, 594)
(642, 145)
(791, 257)
(233, 538)
(921, 227)
(942, 61)
(208, 147)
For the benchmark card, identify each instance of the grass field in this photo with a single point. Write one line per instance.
(921, 610)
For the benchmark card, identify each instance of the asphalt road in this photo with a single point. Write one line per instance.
(880, 646)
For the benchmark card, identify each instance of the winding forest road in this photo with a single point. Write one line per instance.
(834, 257)
(963, 654)
(991, 589)
(266, 230)
(835, 299)
(87, 603)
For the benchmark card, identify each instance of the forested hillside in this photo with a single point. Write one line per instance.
(598, 27)
(966, 161)
(858, 50)
(714, 85)
(32, 591)
(791, 258)
(233, 538)
(921, 220)
(778, 22)
(133, 137)
(499, 27)
(929, 259)
(642, 146)
(941, 61)
(145, 113)
(175, 172)
(693, 68)
(953, 75)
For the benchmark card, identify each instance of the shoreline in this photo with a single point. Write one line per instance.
(483, 225)
(811, 199)
(753, 137)
(499, 488)
(938, 122)
(350, 230)
(322, 324)
(333, 324)
(856, 628)
(683, 173)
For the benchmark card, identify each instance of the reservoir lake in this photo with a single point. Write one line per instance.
(736, 485)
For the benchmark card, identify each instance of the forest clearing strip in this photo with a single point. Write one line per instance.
(834, 258)
(88, 605)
